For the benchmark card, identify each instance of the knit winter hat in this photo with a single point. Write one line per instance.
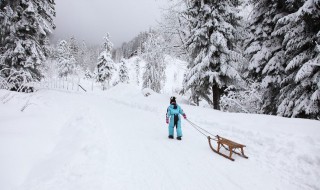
(173, 99)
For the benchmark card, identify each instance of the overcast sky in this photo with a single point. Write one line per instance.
(90, 20)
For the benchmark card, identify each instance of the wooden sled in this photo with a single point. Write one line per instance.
(228, 145)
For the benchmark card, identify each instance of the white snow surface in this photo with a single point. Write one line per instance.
(117, 139)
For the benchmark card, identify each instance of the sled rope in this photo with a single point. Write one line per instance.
(201, 130)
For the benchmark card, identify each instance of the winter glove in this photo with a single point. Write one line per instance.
(167, 120)
(184, 116)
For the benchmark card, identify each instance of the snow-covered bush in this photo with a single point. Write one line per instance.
(88, 74)
(242, 100)
(147, 92)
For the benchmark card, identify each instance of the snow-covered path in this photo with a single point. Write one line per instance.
(118, 140)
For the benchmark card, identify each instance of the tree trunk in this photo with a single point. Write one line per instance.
(197, 100)
(216, 93)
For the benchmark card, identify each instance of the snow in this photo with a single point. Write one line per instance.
(117, 139)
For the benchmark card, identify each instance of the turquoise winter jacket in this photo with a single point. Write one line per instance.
(171, 112)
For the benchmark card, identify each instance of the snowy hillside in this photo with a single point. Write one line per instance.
(117, 139)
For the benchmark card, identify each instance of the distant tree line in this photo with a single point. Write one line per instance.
(131, 48)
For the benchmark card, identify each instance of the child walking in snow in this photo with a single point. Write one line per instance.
(173, 113)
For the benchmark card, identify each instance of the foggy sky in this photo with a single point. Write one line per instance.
(90, 20)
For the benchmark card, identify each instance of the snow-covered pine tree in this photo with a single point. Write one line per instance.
(66, 61)
(212, 48)
(123, 72)
(25, 26)
(260, 49)
(265, 51)
(74, 49)
(300, 30)
(137, 67)
(105, 65)
(83, 55)
(154, 75)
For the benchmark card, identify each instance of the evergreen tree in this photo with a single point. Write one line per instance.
(137, 68)
(212, 48)
(265, 52)
(66, 61)
(154, 75)
(24, 37)
(105, 64)
(283, 56)
(74, 49)
(123, 72)
(83, 55)
(300, 31)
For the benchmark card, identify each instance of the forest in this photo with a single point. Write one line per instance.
(253, 56)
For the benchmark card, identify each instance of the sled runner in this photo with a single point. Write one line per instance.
(228, 145)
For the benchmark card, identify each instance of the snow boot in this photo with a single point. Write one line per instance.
(179, 138)
(170, 137)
